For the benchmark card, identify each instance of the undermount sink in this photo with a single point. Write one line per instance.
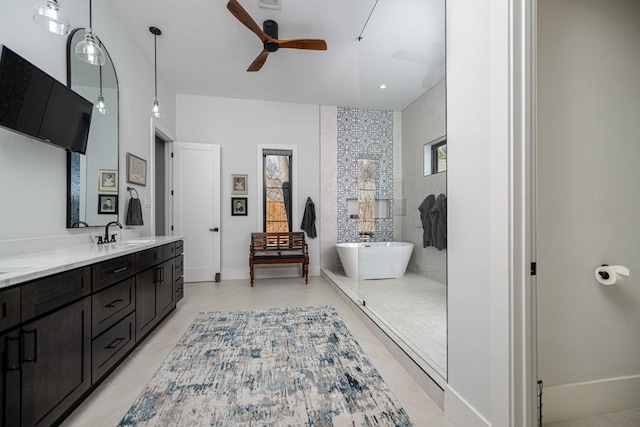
(139, 242)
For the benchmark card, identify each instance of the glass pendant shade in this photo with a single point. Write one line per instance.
(49, 16)
(89, 50)
(101, 105)
(156, 109)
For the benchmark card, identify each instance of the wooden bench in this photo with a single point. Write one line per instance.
(279, 248)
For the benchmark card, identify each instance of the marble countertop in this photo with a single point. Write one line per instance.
(23, 268)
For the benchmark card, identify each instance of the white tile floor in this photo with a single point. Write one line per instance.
(629, 418)
(413, 306)
(110, 401)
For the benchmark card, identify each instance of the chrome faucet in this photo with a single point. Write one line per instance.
(106, 239)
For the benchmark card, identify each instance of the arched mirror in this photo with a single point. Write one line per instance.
(92, 178)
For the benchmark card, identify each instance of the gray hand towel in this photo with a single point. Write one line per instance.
(309, 219)
(425, 208)
(134, 212)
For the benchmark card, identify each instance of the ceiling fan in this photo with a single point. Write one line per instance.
(269, 36)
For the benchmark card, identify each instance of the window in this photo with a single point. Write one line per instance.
(276, 166)
(435, 156)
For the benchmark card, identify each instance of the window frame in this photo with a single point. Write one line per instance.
(271, 152)
(260, 208)
(430, 156)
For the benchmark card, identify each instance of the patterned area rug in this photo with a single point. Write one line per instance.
(285, 366)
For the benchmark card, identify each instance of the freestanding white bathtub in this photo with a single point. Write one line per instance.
(374, 260)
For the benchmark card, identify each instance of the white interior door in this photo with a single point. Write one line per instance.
(196, 208)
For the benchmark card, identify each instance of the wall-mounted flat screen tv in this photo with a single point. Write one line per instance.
(35, 104)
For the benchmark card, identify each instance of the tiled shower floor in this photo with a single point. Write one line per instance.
(414, 307)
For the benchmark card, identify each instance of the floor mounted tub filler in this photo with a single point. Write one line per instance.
(374, 260)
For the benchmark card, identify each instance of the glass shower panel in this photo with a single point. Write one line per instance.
(401, 276)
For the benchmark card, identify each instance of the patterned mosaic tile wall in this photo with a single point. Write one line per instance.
(364, 134)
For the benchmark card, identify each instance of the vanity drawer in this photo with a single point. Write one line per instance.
(179, 266)
(109, 348)
(179, 247)
(43, 295)
(179, 289)
(167, 252)
(9, 308)
(147, 258)
(112, 304)
(113, 271)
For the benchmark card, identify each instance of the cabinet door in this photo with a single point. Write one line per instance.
(9, 308)
(56, 363)
(147, 314)
(11, 382)
(166, 288)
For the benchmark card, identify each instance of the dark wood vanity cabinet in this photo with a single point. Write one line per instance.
(113, 325)
(46, 357)
(56, 363)
(62, 334)
(155, 288)
(11, 383)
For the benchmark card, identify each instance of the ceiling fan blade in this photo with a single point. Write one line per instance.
(313, 44)
(259, 61)
(238, 11)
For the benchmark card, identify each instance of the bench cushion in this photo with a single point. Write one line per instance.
(266, 254)
(277, 254)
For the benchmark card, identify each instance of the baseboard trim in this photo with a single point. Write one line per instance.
(459, 412)
(565, 402)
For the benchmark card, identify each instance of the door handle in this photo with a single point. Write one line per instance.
(216, 229)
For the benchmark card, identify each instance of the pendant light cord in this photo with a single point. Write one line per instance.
(155, 63)
(90, 15)
(100, 80)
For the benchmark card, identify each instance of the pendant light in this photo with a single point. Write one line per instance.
(156, 110)
(51, 17)
(89, 49)
(101, 105)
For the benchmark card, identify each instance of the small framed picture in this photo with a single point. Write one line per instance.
(239, 184)
(136, 170)
(238, 206)
(107, 204)
(107, 180)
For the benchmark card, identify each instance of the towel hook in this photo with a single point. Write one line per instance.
(130, 189)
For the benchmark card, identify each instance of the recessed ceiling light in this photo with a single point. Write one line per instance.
(269, 4)
(383, 86)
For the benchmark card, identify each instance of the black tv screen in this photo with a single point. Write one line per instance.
(35, 104)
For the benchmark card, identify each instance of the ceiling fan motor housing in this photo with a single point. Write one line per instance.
(270, 28)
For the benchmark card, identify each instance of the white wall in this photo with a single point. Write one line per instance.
(422, 122)
(33, 174)
(588, 203)
(239, 126)
(469, 213)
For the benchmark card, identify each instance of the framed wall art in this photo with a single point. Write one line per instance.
(239, 184)
(107, 204)
(107, 180)
(238, 206)
(136, 170)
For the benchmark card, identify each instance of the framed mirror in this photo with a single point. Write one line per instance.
(93, 176)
